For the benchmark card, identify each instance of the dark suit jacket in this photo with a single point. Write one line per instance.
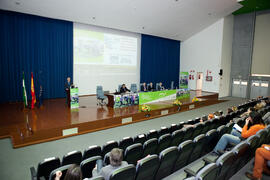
(151, 88)
(124, 90)
(144, 88)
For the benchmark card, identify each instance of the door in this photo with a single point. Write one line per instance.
(259, 88)
(239, 88)
(199, 81)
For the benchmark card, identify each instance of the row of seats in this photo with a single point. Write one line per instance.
(151, 143)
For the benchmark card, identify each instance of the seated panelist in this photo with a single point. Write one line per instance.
(151, 87)
(124, 89)
(160, 87)
(144, 87)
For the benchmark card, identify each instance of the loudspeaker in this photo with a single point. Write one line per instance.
(220, 72)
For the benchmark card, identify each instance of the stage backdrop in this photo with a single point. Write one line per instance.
(34, 44)
(160, 59)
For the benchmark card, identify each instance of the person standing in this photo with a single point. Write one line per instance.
(67, 89)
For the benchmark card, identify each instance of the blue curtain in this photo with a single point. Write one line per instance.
(160, 59)
(34, 44)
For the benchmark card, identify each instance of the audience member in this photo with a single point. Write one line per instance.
(247, 112)
(144, 87)
(234, 108)
(229, 110)
(116, 157)
(210, 116)
(73, 173)
(259, 106)
(151, 87)
(253, 124)
(217, 114)
(124, 89)
(262, 155)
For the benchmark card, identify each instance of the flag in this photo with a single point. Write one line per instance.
(24, 92)
(33, 91)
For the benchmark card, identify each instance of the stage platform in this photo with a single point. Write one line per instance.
(55, 120)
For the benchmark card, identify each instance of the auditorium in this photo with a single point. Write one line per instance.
(135, 90)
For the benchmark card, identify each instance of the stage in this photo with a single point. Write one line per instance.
(54, 120)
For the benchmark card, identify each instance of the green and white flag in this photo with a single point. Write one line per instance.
(24, 92)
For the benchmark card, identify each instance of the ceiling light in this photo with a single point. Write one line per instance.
(143, 27)
(93, 17)
(17, 3)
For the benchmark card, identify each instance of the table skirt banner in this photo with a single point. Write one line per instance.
(124, 100)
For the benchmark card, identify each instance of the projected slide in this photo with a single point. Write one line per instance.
(104, 49)
(104, 57)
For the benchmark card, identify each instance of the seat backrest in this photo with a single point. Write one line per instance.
(163, 130)
(177, 137)
(133, 153)
(221, 130)
(141, 138)
(92, 151)
(150, 147)
(253, 142)
(109, 146)
(47, 166)
(63, 169)
(209, 172)
(172, 84)
(225, 162)
(125, 142)
(88, 165)
(188, 133)
(197, 130)
(106, 159)
(211, 139)
(147, 167)
(173, 128)
(99, 91)
(124, 173)
(229, 127)
(197, 120)
(133, 88)
(262, 135)
(152, 134)
(167, 159)
(241, 152)
(198, 147)
(119, 87)
(73, 157)
(206, 126)
(163, 142)
(185, 149)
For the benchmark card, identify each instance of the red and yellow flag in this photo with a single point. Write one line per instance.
(33, 91)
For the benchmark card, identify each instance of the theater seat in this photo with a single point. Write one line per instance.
(167, 159)
(188, 133)
(150, 147)
(198, 148)
(253, 142)
(152, 134)
(63, 169)
(209, 172)
(177, 137)
(262, 135)
(45, 168)
(173, 128)
(108, 147)
(225, 162)
(125, 142)
(163, 142)
(206, 126)
(73, 157)
(88, 165)
(185, 149)
(221, 130)
(211, 139)
(162, 131)
(197, 130)
(147, 167)
(241, 156)
(92, 151)
(141, 138)
(133, 153)
(125, 173)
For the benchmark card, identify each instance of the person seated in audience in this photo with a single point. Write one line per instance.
(229, 110)
(259, 106)
(124, 89)
(262, 155)
(234, 108)
(73, 173)
(217, 114)
(144, 87)
(160, 87)
(204, 118)
(253, 124)
(210, 116)
(151, 87)
(248, 111)
(116, 161)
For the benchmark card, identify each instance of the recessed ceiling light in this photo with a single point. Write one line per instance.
(93, 17)
(209, 14)
(143, 27)
(17, 3)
